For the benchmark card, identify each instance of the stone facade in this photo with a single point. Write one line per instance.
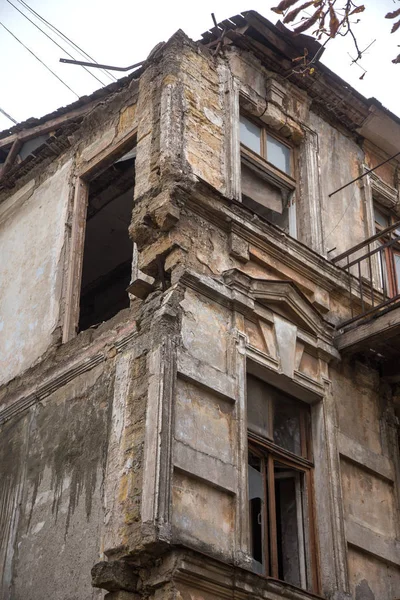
(123, 448)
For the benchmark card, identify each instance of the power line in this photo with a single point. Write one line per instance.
(364, 174)
(37, 58)
(62, 35)
(8, 116)
(54, 42)
(338, 223)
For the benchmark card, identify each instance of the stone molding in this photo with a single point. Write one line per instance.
(223, 580)
(87, 359)
(372, 543)
(232, 216)
(378, 464)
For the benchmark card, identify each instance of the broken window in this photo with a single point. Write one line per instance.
(108, 249)
(280, 479)
(266, 173)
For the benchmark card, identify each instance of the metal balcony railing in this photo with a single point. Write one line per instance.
(374, 273)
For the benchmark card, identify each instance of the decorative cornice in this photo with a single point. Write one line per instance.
(232, 216)
(241, 292)
(227, 581)
(384, 193)
(86, 360)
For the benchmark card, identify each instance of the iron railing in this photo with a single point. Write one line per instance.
(373, 280)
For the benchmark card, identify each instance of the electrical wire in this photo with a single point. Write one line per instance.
(37, 58)
(54, 42)
(338, 223)
(66, 38)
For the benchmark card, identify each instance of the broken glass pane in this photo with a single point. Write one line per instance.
(257, 511)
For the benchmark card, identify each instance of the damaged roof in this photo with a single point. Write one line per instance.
(277, 46)
(60, 123)
(81, 103)
(274, 45)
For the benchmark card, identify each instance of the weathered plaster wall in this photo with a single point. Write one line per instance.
(340, 159)
(369, 482)
(205, 436)
(52, 467)
(203, 105)
(71, 464)
(370, 578)
(32, 239)
(358, 406)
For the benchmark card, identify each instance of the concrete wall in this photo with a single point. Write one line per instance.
(32, 237)
(71, 465)
(343, 215)
(52, 509)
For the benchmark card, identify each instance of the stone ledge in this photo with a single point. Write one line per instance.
(372, 543)
(210, 469)
(206, 376)
(377, 463)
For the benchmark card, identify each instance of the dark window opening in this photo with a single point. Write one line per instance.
(107, 257)
(281, 531)
(289, 525)
(257, 507)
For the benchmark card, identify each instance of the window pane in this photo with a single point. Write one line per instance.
(278, 154)
(396, 258)
(291, 535)
(381, 219)
(382, 268)
(250, 134)
(287, 423)
(257, 512)
(258, 398)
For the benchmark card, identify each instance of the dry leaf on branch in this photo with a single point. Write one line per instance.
(333, 22)
(284, 5)
(395, 26)
(358, 9)
(293, 13)
(393, 15)
(308, 22)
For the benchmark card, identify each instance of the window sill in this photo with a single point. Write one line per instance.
(267, 171)
(222, 579)
(278, 586)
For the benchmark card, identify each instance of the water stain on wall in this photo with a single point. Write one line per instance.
(55, 453)
(68, 435)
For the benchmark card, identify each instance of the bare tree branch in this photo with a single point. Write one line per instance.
(330, 18)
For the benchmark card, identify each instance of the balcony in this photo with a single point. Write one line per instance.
(374, 296)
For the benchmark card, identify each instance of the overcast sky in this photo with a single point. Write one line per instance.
(122, 32)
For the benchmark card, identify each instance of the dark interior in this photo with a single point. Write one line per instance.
(107, 259)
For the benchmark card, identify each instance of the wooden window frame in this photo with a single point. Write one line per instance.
(389, 253)
(287, 183)
(87, 173)
(270, 453)
(260, 159)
